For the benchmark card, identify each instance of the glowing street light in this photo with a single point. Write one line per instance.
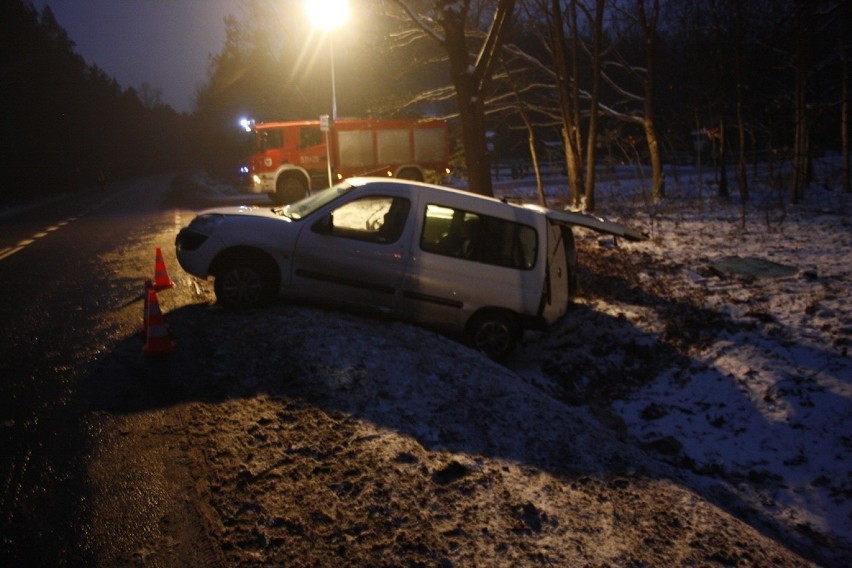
(328, 15)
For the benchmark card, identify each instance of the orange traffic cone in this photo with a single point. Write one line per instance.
(158, 339)
(161, 277)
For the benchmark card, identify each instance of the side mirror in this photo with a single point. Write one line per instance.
(324, 226)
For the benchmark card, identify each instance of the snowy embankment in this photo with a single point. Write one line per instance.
(743, 378)
(741, 381)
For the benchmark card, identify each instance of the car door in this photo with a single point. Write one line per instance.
(559, 275)
(467, 260)
(356, 253)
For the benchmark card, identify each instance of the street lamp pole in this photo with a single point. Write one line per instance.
(333, 87)
(328, 15)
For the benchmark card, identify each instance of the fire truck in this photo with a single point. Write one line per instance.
(292, 158)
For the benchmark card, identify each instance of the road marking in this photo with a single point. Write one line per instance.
(21, 245)
(7, 252)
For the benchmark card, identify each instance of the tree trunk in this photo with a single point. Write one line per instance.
(477, 159)
(742, 173)
(723, 166)
(476, 155)
(577, 135)
(564, 87)
(593, 107)
(542, 199)
(471, 80)
(649, 25)
(801, 118)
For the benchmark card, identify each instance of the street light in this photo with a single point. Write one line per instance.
(328, 15)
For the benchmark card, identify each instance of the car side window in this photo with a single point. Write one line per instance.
(378, 219)
(479, 238)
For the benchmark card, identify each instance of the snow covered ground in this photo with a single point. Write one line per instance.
(742, 381)
(746, 380)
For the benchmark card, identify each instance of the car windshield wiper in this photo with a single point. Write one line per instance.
(283, 211)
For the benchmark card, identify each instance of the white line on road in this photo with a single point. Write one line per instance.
(9, 251)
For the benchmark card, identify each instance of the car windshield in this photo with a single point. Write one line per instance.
(304, 207)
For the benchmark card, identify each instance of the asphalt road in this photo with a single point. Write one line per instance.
(72, 273)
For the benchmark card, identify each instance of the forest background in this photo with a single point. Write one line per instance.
(577, 85)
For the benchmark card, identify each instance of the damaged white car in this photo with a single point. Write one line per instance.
(443, 258)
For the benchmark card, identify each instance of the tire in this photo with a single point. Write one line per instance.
(243, 285)
(289, 188)
(495, 333)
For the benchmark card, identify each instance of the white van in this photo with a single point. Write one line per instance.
(443, 258)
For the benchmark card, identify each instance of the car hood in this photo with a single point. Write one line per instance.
(246, 210)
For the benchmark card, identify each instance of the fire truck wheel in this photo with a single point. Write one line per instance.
(288, 189)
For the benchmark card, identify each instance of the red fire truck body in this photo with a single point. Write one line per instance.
(291, 158)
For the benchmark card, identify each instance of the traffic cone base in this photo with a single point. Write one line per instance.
(161, 276)
(158, 339)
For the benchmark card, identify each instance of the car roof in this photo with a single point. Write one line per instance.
(453, 197)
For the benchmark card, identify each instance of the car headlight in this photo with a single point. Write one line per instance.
(206, 222)
(189, 240)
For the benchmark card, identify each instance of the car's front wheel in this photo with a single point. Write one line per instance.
(244, 285)
(495, 333)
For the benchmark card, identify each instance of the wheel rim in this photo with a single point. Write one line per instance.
(242, 287)
(494, 338)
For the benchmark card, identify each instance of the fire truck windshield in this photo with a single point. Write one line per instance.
(269, 139)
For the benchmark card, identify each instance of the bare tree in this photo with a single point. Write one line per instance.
(739, 41)
(592, 138)
(448, 23)
(567, 85)
(547, 21)
(801, 113)
(816, 26)
(641, 75)
(599, 50)
(648, 19)
(531, 139)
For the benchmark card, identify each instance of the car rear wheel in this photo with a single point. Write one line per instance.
(495, 333)
(244, 285)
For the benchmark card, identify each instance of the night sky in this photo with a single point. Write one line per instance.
(165, 43)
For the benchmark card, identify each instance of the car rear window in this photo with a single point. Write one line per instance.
(478, 238)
